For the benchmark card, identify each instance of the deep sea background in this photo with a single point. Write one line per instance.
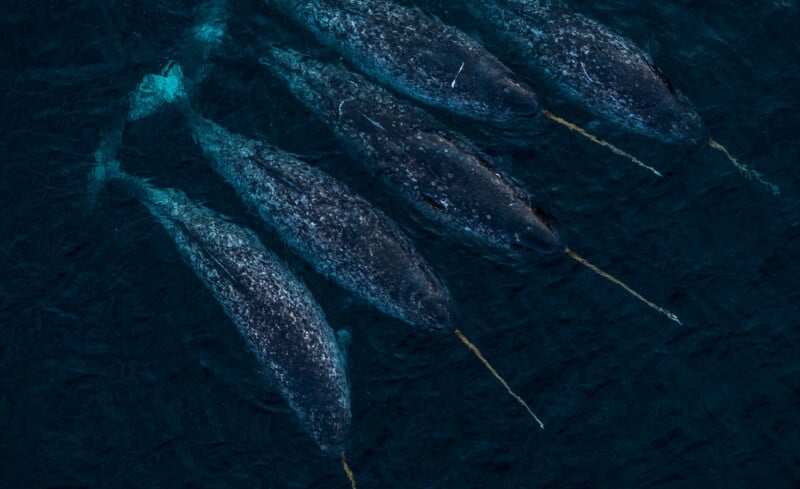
(118, 369)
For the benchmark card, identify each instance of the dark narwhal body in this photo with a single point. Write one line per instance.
(418, 56)
(439, 172)
(342, 235)
(271, 308)
(339, 233)
(597, 67)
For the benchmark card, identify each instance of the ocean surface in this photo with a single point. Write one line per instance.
(118, 369)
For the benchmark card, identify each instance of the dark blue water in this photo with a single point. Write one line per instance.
(117, 368)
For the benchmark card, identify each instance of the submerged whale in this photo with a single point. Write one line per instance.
(271, 308)
(439, 172)
(417, 55)
(595, 66)
(338, 232)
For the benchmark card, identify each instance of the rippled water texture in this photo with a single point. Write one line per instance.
(117, 368)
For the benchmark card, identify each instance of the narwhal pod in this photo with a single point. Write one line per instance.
(338, 232)
(594, 66)
(417, 55)
(272, 309)
(439, 172)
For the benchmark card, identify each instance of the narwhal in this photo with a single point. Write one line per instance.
(335, 230)
(417, 55)
(438, 171)
(600, 69)
(427, 60)
(342, 235)
(272, 309)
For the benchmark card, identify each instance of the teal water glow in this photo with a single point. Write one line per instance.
(117, 369)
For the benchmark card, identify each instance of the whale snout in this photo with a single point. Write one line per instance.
(330, 425)
(515, 99)
(542, 239)
(439, 314)
(529, 228)
(675, 120)
(332, 446)
(690, 128)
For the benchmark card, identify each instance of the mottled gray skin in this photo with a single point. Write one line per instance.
(595, 66)
(439, 172)
(272, 309)
(339, 233)
(418, 56)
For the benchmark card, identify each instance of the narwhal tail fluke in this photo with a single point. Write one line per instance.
(106, 166)
(207, 34)
(744, 169)
(212, 20)
(483, 360)
(583, 261)
(156, 91)
(348, 472)
(601, 142)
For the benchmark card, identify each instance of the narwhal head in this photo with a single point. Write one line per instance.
(324, 408)
(331, 432)
(438, 316)
(674, 119)
(539, 234)
(508, 100)
(425, 301)
(687, 126)
(513, 100)
(489, 89)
